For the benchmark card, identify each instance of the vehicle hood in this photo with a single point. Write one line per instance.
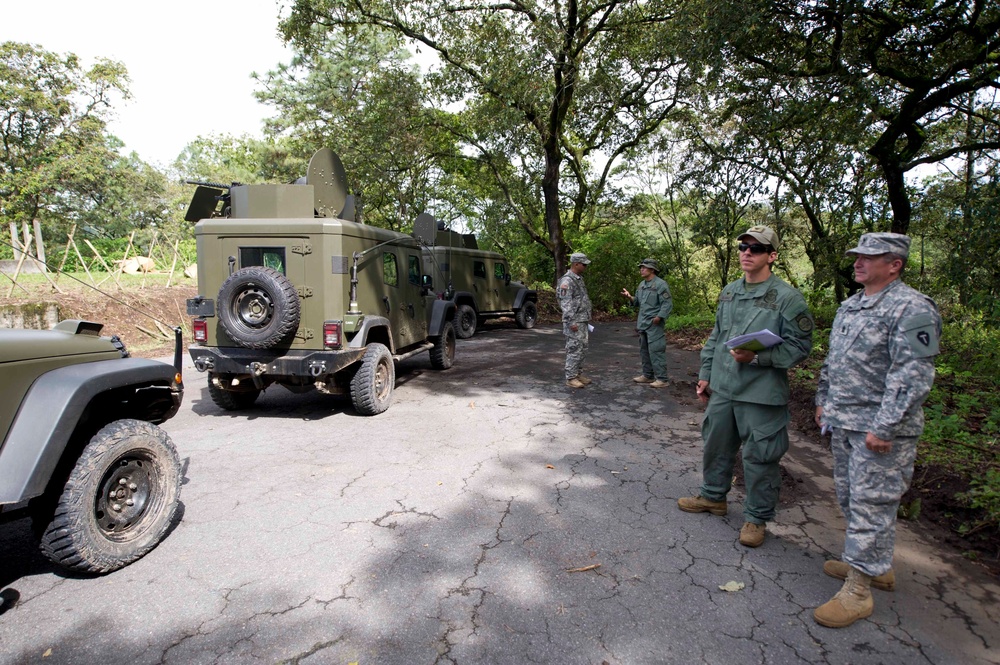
(19, 345)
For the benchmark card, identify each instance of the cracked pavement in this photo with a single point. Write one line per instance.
(491, 515)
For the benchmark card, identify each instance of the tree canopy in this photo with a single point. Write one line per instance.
(548, 95)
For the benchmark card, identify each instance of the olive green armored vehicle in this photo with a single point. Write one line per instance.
(476, 280)
(294, 292)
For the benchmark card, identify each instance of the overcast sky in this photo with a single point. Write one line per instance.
(189, 61)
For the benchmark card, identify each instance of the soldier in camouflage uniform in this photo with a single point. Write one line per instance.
(652, 297)
(749, 390)
(576, 309)
(878, 372)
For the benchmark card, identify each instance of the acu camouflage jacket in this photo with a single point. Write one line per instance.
(880, 367)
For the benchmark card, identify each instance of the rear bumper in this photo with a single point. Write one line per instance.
(288, 363)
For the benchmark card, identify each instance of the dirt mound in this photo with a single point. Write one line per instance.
(142, 317)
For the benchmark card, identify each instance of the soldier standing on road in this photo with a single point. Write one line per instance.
(878, 373)
(576, 309)
(749, 391)
(652, 297)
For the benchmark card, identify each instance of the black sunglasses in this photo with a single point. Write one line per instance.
(755, 248)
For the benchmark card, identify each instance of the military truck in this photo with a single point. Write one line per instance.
(476, 280)
(294, 292)
(81, 451)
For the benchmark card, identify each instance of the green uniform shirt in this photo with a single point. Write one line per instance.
(774, 305)
(653, 300)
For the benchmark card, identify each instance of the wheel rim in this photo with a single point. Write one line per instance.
(126, 492)
(530, 314)
(253, 307)
(382, 380)
(468, 321)
(449, 346)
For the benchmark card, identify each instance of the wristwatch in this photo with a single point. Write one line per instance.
(755, 361)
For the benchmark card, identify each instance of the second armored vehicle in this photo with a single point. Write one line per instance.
(476, 280)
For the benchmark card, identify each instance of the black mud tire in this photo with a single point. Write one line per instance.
(128, 460)
(443, 353)
(371, 387)
(466, 321)
(231, 400)
(527, 316)
(258, 307)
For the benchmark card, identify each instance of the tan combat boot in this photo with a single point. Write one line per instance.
(642, 379)
(585, 380)
(575, 382)
(852, 602)
(699, 504)
(839, 569)
(752, 535)
(659, 384)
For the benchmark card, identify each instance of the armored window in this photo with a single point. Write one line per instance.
(479, 269)
(269, 257)
(413, 273)
(499, 271)
(390, 271)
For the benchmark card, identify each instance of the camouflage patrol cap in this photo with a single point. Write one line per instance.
(874, 244)
(762, 234)
(579, 257)
(651, 264)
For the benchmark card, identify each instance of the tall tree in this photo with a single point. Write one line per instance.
(909, 67)
(54, 146)
(550, 91)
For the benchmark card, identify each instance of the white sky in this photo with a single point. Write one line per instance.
(189, 61)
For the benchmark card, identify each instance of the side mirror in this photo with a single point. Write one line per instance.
(506, 279)
(427, 282)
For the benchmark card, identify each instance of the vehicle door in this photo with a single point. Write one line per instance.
(481, 286)
(402, 299)
(502, 287)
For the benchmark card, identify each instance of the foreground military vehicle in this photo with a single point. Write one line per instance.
(81, 452)
(294, 292)
(477, 281)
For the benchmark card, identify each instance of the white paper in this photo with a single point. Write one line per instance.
(755, 341)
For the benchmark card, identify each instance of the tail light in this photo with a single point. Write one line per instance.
(200, 331)
(331, 334)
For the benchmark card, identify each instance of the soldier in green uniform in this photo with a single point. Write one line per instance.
(652, 297)
(747, 391)
(871, 391)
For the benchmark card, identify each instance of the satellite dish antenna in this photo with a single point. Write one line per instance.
(425, 228)
(326, 175)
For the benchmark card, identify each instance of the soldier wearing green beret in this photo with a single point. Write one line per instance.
(747, 391)
(877, 374)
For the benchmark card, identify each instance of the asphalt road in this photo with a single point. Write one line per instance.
(491, 515)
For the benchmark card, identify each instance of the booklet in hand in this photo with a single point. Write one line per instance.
(755, 341)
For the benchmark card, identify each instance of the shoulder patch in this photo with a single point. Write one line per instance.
(921, 332)
(805, 323)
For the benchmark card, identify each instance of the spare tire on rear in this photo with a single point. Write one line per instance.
(258, 307)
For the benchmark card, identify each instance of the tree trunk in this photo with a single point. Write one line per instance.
(553, 221)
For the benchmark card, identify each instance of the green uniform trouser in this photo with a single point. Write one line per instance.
(762, 430)
(653, 353)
